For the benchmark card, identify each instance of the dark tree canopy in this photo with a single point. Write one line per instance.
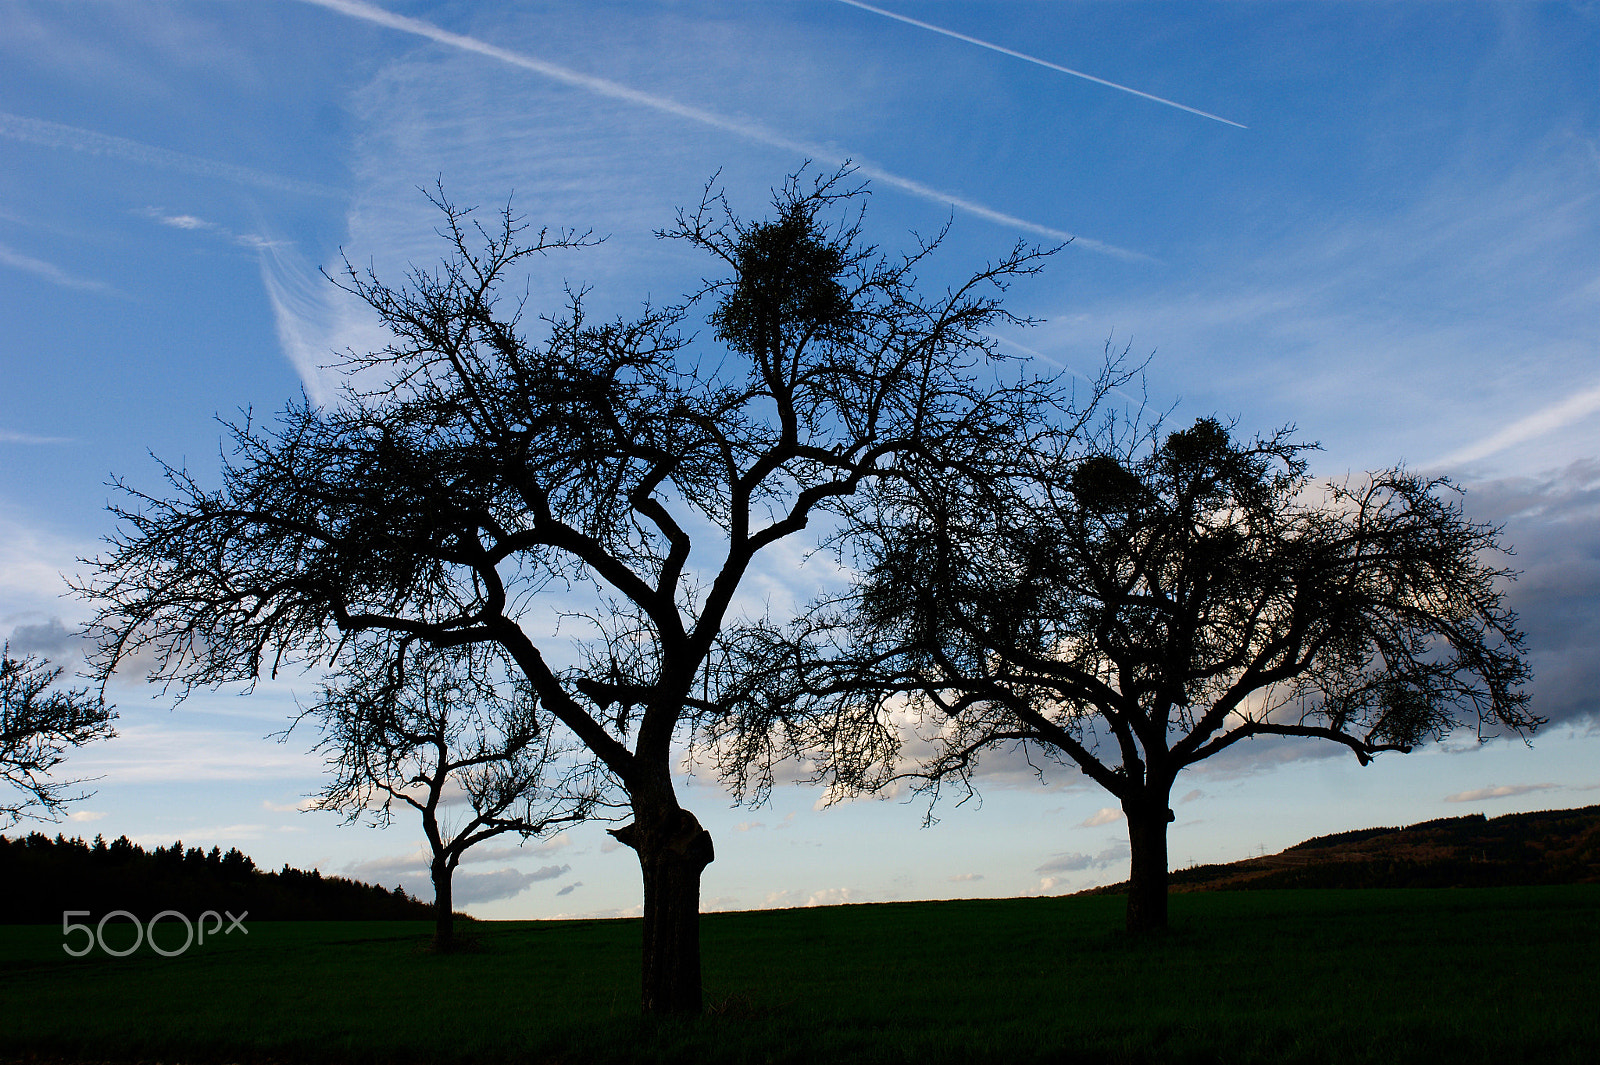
(455, 735)
(622, 476)
(1134, 605)
(39, 723)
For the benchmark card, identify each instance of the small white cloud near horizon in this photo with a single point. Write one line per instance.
(559, 841)
(1106, 815)
(194, 837)
(1503, 791)
(86, 815)
(414, 862)
(307, 803)
(792, 899)
(1077, 863)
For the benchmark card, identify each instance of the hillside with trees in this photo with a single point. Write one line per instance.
(45, 876)
(1545, 847)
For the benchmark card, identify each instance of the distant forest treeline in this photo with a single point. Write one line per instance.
(41, 877)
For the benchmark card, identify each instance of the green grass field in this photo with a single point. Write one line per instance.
(1483, 975)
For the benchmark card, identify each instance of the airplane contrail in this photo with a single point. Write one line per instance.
(1033, 354)
(1548, 420)
(54, 135)
(360, 9)
(49, 271)
(1041, 62)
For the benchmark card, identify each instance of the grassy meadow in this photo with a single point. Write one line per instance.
(1453, 975)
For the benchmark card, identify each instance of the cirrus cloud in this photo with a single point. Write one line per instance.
(1502, 791)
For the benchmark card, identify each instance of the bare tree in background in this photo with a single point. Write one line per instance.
(39, 723)
(441, 730)
(1131, 606)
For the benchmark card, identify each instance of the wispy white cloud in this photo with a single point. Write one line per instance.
(311, 319)
(194, 837)
(54, 135)
(1058, 364)
(9, 437)
(315, 321)
(32, 560)
(183, 221)
(743, 129)
(50, 272)
(157, 751)
(194, 223)
(1558, 415)
(1503, 791)
(1392, 335)
(415, 861)
(1041, 62)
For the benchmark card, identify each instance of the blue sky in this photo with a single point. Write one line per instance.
(1392, 241)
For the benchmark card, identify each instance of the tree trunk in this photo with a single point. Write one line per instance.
(1147, 876)
(673, 851)
(444, 917)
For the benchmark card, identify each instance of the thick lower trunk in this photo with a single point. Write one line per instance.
(1147, 877)
(673, 851)
(444, 918)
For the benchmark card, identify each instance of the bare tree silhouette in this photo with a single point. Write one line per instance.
(432, 729)
(1134, 606)
(38, 724)
(494, 479)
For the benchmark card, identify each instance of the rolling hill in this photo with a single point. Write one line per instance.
(1546, 847)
